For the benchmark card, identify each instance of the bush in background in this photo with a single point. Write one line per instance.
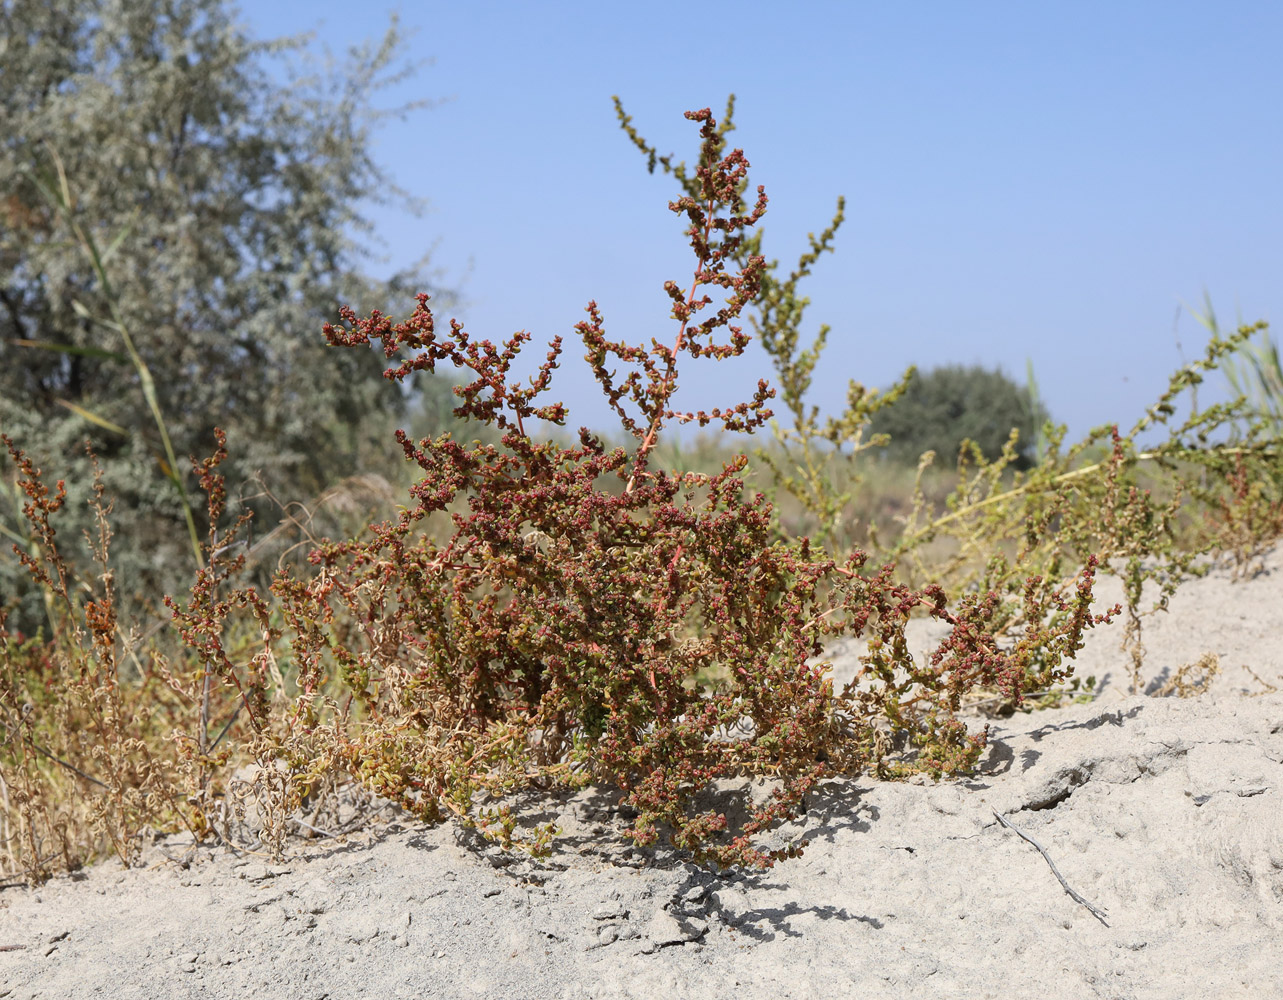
(942, 407)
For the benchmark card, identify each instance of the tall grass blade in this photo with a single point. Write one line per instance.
(1254, 372)
(1035, 401)
(59, 196)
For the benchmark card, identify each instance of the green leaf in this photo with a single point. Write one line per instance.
(93, 418)
(89, 352)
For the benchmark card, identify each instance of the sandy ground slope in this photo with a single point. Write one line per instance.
(1164, 813)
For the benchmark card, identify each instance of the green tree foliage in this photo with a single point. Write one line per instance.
(943, 407)
(227, 208)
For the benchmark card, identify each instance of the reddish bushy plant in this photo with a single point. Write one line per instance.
(569, 634)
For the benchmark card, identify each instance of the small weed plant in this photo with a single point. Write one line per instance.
(555, 614)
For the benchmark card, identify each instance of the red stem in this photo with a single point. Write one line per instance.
(649, 441)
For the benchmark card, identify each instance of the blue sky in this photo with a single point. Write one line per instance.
(1059, 182)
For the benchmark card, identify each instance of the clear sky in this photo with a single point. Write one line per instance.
(1060, 182)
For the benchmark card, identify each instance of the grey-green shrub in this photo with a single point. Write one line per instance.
(226, 204)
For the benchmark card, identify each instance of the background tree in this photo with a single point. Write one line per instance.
(227, 208)
(942, 407)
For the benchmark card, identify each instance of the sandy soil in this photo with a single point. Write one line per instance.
(1165, 814)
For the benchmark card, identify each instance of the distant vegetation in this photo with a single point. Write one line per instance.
(942, 407)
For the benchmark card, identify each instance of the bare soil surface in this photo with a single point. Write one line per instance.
(1165, 814)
